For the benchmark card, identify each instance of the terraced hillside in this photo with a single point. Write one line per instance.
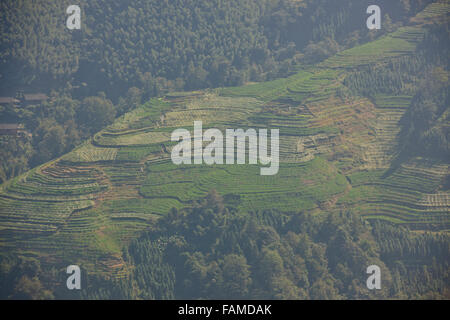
(336, 153)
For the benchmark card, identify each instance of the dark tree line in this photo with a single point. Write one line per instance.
(425, 125)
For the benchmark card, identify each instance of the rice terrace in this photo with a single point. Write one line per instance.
(338, 152)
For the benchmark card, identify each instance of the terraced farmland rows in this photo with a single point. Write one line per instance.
(402, 42)
(336, 153)
(390, 110)
(294, 186)
(407, 195)
(433, 12)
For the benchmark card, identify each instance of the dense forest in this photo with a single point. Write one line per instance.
(212, 251)
(164, 45)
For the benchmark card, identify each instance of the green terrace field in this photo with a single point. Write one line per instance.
(409, 195)
(401, 42)
(434, 11)
(336, 153)
(297, 187)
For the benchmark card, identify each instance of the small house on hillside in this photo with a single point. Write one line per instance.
(35, 98)
(8, 101)
(22, 99)
(11, 129)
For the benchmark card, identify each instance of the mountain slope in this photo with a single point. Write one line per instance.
(337, 152)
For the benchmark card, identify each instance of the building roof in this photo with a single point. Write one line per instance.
(35, 97)
(11, 126)
(4, 100)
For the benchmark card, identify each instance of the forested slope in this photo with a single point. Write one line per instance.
(192, 44)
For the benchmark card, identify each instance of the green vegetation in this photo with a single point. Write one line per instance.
(177, 45)
(363, 176)
(213, 251)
